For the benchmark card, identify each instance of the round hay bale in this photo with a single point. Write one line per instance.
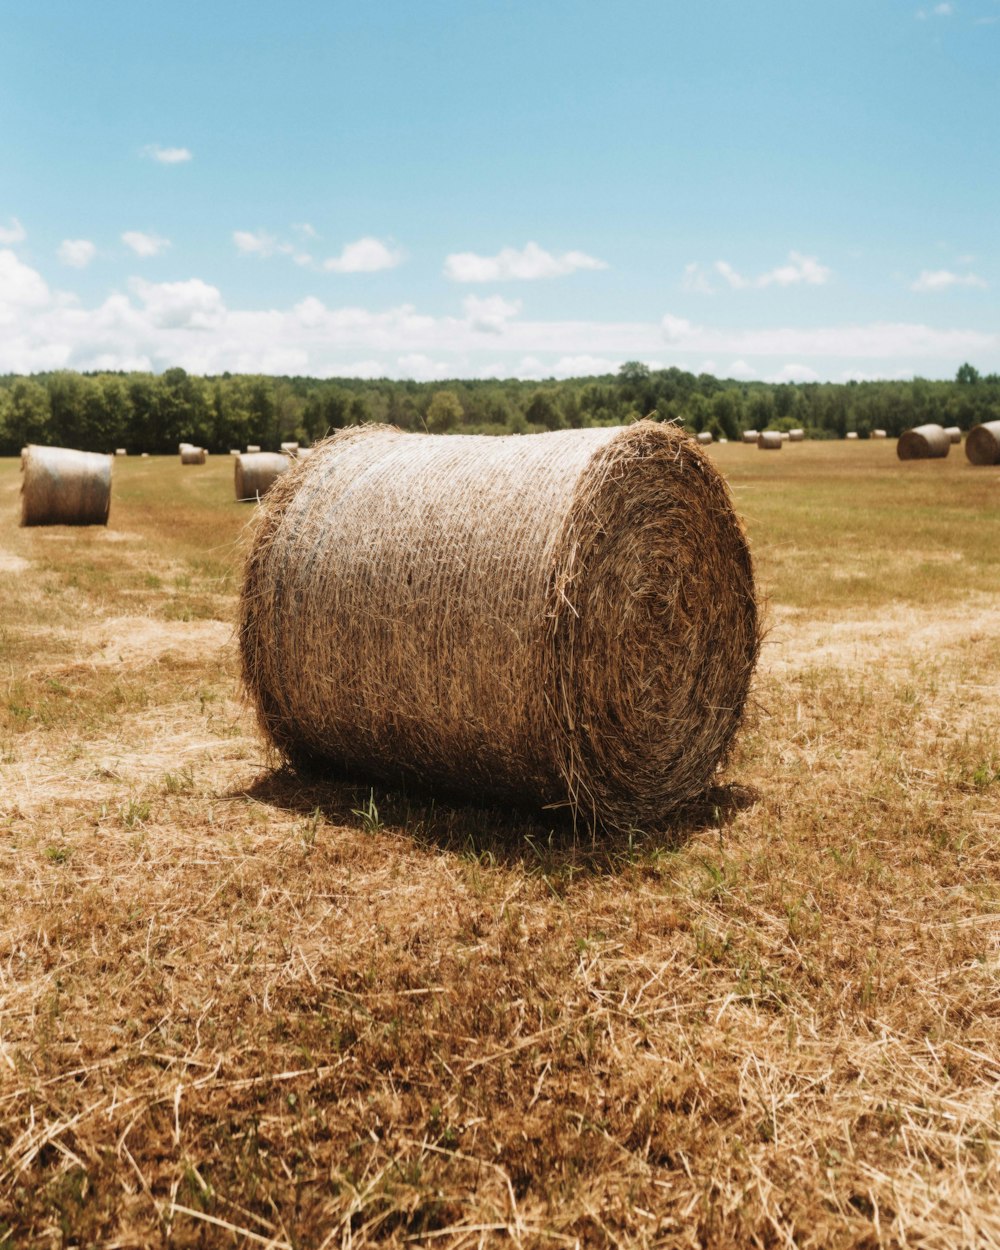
(120, 451)
(770, 440)
(65, 487)
(304, 452)
(923, 442)
(256, 473)
(705, 437)
(851, 435)
(145, 455)
(289, 449)
(796, 436)
(723, 439)
(785, 436)
(193, 455)
(183, 447)
(749, 436)
(879, 434)
(954, 433)
(235, 451)
(564, 619)
(983, 443)
(251, 448)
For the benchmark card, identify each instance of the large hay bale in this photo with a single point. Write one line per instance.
(770, 440)
(705, 437)
(193, 455)
(256, 473)
(923, 442)
(879, 434)
(983, 443)
(562, 619)
(749, 436)
(796, 436)
(954, 433)
(65, 487)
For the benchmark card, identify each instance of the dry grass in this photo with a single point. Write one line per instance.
(239, 1010)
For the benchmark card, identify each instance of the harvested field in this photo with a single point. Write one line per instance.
(240, 1008)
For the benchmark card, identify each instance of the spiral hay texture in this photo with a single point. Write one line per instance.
(64, 487)
(256, 473)
(563, 619)
(983, 443)
(923, 442)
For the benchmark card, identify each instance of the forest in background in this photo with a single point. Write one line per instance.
(154, 412)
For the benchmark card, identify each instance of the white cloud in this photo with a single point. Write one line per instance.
(14, 233)
(77, 253)
(190, 305)
(21, 287)
(367, 255)
(491, 314)
(694, 280)
(167, 156)
(794, 373)
(740, 369)
(145, 244)
(259, 243)
(677, 328)
(941, 279)
(422, 368)
(799, 268)
(305, 230)
(510, 264)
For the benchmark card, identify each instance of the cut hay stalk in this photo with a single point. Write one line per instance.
(705, 437)
(770, 440)
(749, 436)
(256, 473)
(983, 443)
(924, 442)
(65, 487)
(796, 436)
(954, 433)
(193, 455)
(563, 619)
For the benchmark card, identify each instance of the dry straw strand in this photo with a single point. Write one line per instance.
(923, 442)
(61, 486)
(983, 444)
(256, 472)
(564, 619)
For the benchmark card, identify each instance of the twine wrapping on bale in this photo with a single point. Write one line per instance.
(770, 440)
(193, 455)
(562, 619)
(705, 437)
(796, 436)
(923, 442)
(65, 487)
(954, 433)
(257, 472)
(983, 443)
(749, 436)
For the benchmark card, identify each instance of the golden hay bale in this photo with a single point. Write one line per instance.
(145, 455)
(235, 451)
(289, 448)
(852, 435)
(796, 436)
(193, 455)
(564, 619)
(879, 434)
(770, 440)
(251, 448)
(723, 439)
(256, 473)
(954, 433)
(183, 447)
(705, 437)
(120, 451)
(65, 487)
(749, 436)
(983, 443)
(923, 442)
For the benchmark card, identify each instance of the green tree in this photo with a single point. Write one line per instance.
(544, 411)
(444, 412)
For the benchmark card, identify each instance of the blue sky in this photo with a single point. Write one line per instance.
(435, 188)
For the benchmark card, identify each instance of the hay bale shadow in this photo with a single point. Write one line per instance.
(501, 835)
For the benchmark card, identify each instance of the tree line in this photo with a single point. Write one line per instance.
(155, 412)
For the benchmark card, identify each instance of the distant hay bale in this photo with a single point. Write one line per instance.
(564, 619)
(723, 439)
(65, 487)
(120, 451)
(705, 437)
(749, 436)
(183, 447)
(796, 436)
(251, 448)
(954, 433)
(304, 452)
(879, 434)
(785, 436)
(924, 442)
(256, 473)
(290, 449)
(145, 455)
(852, 435)
(770, 440)
(235, 451)
(983, 443)
(193, 455)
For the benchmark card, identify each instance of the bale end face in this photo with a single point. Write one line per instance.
(983, 443)
(923, 442)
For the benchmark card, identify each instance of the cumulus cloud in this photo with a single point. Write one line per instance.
(367, 255)
(694, 280)
(145, 244)
(491, 314)
(942, 279)
(21, 287)
(798, 269)
(167, 156)
(77, 253)
(190, 305)
(511, 264)
(12, 233)
(258, 243)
